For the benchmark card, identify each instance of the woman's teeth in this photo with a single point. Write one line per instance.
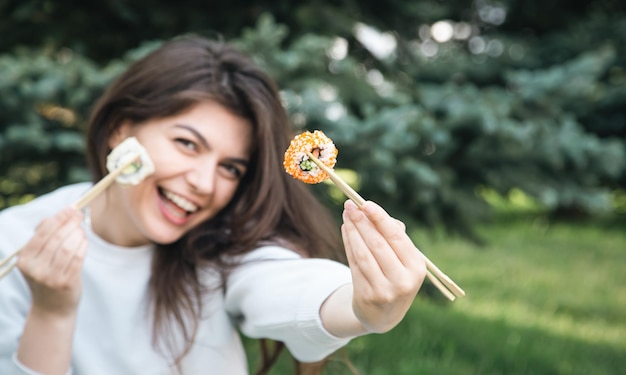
(180, 201)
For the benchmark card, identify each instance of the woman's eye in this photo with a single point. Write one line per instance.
(233, 171)
(186, 143)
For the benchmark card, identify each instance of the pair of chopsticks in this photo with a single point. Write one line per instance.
(78, 205)
(445, 284)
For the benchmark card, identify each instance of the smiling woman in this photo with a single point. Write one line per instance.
(217, 241)
(201, 155)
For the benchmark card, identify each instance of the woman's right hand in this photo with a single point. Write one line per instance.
(52, 261)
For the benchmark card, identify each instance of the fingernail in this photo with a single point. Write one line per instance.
(369, 207)
(349, 206)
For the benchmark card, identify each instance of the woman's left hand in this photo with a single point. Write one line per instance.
(387, 269)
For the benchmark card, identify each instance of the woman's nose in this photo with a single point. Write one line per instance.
(202, 177)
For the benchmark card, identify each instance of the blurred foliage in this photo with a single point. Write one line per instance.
(522, 96)
(45, 102)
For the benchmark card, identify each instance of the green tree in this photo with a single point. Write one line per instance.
(429, 102)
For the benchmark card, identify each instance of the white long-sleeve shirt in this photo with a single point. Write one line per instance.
(274, 294)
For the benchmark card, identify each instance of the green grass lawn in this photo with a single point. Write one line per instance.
(542, 298)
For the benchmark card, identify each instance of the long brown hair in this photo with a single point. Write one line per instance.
(269, 205)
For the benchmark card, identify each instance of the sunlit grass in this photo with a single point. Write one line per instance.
(542, 298)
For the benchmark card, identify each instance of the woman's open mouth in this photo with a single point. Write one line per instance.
(176, 204)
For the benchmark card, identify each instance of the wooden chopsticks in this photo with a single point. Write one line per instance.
(445, 284)
(78, 205)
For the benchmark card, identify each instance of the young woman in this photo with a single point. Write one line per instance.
(160, 277)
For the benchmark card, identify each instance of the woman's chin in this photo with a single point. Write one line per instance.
(165, 236)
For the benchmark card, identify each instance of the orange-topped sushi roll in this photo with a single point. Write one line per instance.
(298, 164)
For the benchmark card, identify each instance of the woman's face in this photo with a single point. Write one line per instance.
(199, 156)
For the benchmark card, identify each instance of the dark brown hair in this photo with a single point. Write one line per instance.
(269, 205)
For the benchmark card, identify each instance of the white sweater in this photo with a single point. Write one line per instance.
(275, 294)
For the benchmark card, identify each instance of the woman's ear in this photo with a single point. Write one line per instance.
(120, 134)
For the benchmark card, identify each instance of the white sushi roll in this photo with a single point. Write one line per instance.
(127, 150)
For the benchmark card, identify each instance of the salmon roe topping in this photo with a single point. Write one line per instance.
(299, 165)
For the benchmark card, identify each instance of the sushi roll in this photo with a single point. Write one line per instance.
(130, 150)
(298, 163)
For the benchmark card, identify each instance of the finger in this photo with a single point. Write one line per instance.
(44, 231)
(401, 225)
(358, 277)
(68, 250)
(53, 248)
(394, 234)
(47, 224)
(75, 265)
(373, 240)
(377, 264)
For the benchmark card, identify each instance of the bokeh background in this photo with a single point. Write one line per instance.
(495, 129)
